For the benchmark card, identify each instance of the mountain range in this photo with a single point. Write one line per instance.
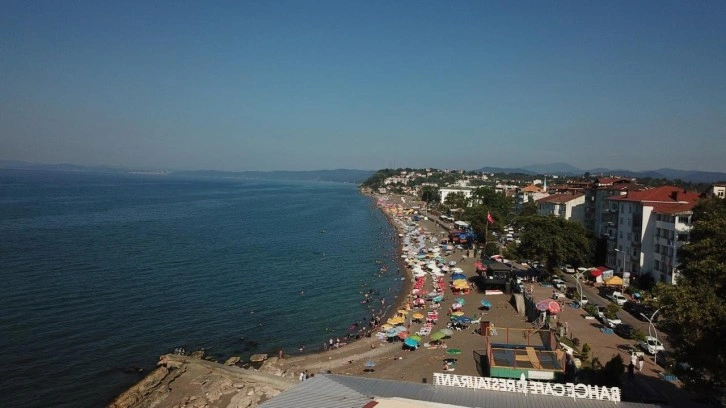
(358, 176)
(565, 169)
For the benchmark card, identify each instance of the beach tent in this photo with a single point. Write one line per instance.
(614, 281)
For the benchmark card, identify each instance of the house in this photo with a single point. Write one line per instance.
(716, 190)
(568, 206)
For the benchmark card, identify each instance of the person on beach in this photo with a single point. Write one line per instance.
(641, 361)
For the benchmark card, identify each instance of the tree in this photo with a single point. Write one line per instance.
(430, 194)
(456, 200)
(528, 209)
(695, 309)
(554, 241)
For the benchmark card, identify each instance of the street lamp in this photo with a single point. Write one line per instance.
(651, 325)
(578, 276)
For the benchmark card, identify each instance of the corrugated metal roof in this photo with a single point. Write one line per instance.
(337, 391)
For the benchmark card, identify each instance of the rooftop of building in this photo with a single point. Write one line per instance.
(560, 198)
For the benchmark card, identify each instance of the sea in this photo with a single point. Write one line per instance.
(103, 273)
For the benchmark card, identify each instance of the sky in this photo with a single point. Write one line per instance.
(309, 85)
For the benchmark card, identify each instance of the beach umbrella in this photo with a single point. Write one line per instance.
(396, 320)
(391, 333)
(458, 276)
(417, 316)
(544, 305)
(438, 335)
(485, 303)
(438, 298)
(370, 364)
(459, 313)
(453, 351)
(402, 335)
(446, 332)
(415, 337)
(455, 306)
(402, 311)
(410, 342)
(460, 301)
(463, 319)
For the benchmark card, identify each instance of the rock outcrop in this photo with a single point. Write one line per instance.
(193, 382)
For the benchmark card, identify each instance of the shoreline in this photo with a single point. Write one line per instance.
(159, 384)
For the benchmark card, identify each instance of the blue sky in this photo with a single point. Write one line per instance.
(304, 85)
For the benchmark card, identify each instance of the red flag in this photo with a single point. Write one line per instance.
(490, 218)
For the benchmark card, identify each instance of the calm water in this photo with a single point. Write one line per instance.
(102, 273)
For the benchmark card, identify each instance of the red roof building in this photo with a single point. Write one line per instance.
(647, 228)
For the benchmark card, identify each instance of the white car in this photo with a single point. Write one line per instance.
(569, 269)
(618, 298)
(651, 345)
(583, 301)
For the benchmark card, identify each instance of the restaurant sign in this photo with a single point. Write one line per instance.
(524, 386)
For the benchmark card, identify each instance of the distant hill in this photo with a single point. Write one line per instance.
(564, 169)
(339, 175)
(554, 168)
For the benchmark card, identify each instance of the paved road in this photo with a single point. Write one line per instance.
(605, 346)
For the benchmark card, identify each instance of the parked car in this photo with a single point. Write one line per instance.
(625, 331)
(569, 269)
(583, 300)
(651, 345)
(618, 298)
(611, 323)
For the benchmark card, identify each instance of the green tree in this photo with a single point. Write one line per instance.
(430, 194)
(456, 200)
(695, 308)
(611, 311)
(554, 241)
(528, 209)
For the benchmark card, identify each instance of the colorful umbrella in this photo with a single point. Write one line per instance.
(447, 332)
(457, 276)
(438, 335)
(460, 301)
(459, 313)
(485, 303)
(402, 335)
(417, 316)
(410, 342)
(548, 305)
(415, 337)
(453, 351)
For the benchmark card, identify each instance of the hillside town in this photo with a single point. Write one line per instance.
(638, 227)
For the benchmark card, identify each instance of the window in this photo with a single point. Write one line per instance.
(657, 232)
(621, 234)
(630, 236)
(656, 266)
(621, 220)
(684, 220)
(630, 209)
(657, 248)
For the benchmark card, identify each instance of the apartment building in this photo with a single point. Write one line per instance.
(648, 229)
(568, 206)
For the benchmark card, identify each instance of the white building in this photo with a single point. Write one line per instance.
(444, 191)
(651, 226)
(568, 206)
(717, 190)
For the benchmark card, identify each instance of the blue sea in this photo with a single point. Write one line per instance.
(102, 273)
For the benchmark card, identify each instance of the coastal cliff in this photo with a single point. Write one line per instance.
(187, 381)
